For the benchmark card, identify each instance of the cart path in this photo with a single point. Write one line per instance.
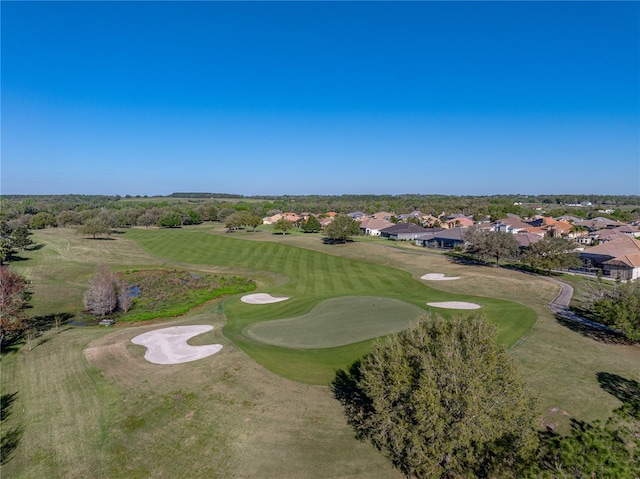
(560, 306)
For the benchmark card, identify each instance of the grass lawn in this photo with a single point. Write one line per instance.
(313, 276)
(84, 402)
(337, 322)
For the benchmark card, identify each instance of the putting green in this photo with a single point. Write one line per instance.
(337, 322)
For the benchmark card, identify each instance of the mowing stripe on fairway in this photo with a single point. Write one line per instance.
(313, 277)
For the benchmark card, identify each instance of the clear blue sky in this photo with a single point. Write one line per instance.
(320, 97)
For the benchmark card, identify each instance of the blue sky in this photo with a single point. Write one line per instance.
(320, 97)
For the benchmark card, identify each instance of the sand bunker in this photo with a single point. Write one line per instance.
(169, 345)
(438, 277)
(261, 298)
(455, 305)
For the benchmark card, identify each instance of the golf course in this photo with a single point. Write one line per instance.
(83, 401)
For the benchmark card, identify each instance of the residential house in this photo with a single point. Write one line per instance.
(357, 215)
(605, 235)
(402, 231)
(527, 239)
(289, 216)
(325, 221)
(372, 226)
(383, 215)
(441, 238)
(413, 214)
(511, 225)
(598, 223)
(461, 221)
(628, 230)
(619, 257)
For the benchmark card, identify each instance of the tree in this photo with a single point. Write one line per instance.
(491, 244)
(20, 237)
(42, 220)
(170, 219)
(441, 399)
(620, 308)
(149, 218)
(94, 227)
(207, 212)
(6, 250)
(224, 212)
(591, 450)
(342, 228)
(253, 221)
(283, 225)
(107, 293)
(551, 253)
(312, 225)
(234, 220)
(68, 217)
(13, 302)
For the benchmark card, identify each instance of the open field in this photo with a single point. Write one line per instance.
(85, 403)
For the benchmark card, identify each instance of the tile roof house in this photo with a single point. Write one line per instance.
(413, 214)
(289, 216)
(382, 215)
(526, 239)
(269, 220)
(628, 230)
(598, 223)
(619, 257)
(511, 225)
(372, 226)
(605, 235)
(325, 221)
(461, 221)
(552, 227)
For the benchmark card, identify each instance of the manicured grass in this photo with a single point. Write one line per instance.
(84, 402)
(312, 277)
(337, 322)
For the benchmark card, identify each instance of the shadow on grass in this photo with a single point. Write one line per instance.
(626, 390)
(6, 400)
(597, 334)
(10, 347)
(50, 321)
(16, 259)
(10, 438)
(8, 443)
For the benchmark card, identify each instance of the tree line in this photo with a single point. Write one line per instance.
(79, 208)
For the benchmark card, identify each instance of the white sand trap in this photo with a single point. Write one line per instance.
(455, 305)
(438, 277)
(261, 298)
(169, 345)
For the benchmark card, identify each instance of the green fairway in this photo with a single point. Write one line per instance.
(85, 403)
(337, 322)
(311, 277)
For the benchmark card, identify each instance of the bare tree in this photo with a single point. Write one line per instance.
(125, 301)
(101, 297)
(13, 319)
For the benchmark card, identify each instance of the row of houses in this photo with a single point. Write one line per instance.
(616, 254)
(614, 246)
